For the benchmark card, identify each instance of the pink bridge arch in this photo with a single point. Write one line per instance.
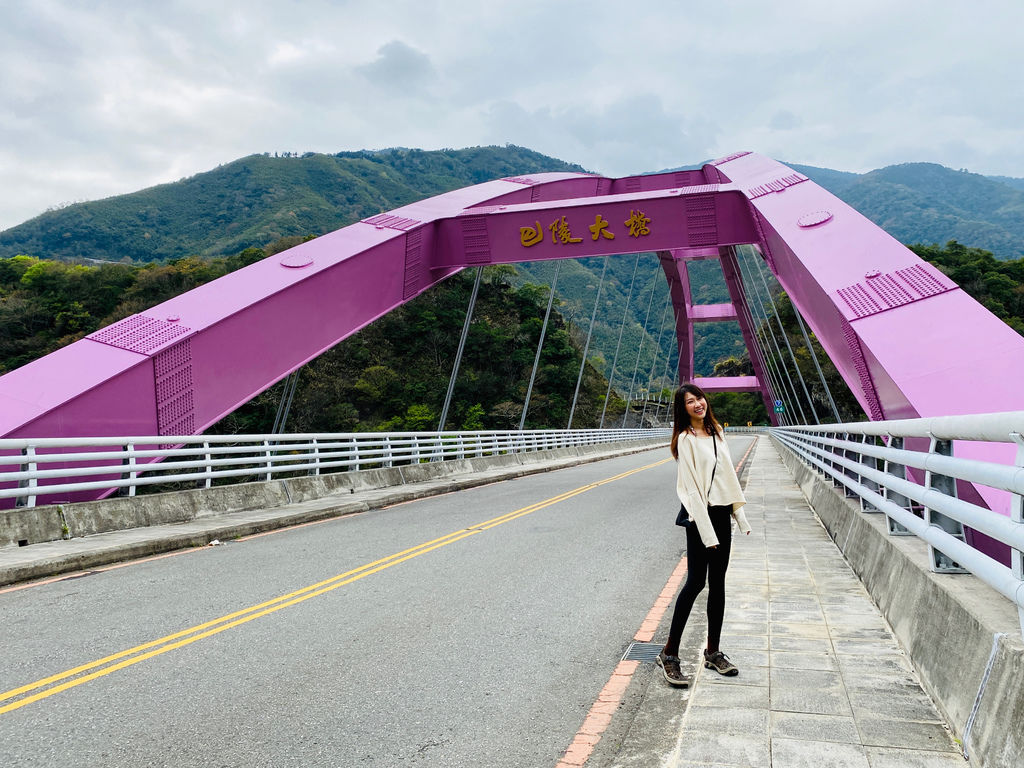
(907, 341)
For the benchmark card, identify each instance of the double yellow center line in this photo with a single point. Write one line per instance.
(49, 686)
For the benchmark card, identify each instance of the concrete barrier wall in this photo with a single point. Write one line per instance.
(33, 525)
(963, 637)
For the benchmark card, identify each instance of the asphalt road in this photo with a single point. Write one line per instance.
(473, 629)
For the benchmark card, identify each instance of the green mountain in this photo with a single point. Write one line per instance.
(259, 199)
(928, 203)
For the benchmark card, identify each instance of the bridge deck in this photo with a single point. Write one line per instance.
(822, 680)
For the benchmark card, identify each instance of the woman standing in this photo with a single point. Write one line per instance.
(707, 486)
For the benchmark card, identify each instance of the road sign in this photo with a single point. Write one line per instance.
(778, 404)
(780, 408)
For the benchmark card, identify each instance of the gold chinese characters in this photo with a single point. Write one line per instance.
(637, 225)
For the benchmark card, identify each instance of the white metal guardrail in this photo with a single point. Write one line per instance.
(906, 470)
(57, 468)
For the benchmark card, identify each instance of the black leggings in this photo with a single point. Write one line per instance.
(704, 566)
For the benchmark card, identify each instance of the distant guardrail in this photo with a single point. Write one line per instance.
(55, 470)
(906, 470)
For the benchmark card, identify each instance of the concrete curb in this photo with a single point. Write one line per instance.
(963, 637)
(117, 529)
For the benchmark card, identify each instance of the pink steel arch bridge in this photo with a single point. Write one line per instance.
(905, 338)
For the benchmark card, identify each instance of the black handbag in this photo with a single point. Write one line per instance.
(683, 518)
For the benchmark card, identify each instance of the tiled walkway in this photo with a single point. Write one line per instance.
(822, 680)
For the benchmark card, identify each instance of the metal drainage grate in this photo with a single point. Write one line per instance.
(642, 652)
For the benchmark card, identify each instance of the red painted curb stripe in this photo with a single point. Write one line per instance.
(608, 701)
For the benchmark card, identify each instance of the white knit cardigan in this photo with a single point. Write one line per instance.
(696, 460)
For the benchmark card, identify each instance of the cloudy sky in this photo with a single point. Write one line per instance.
(101, 98)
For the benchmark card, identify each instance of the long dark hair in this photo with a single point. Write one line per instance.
(681, 419)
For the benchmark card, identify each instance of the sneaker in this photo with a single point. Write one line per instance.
(670, 667)
(719, 662)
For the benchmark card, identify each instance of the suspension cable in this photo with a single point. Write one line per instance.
(771, 378)
(639, 349)
(657, 351)
(817, 366)
(668, 367)
(586, 347)
(291, 383)
(462, 345)
(777, 361)
(772, 381)
(540, 344)
(622, 327)
(782, 372)
(785, 337)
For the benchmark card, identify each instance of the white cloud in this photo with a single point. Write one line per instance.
(104, 98)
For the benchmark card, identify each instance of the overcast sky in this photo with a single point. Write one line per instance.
(102, 98)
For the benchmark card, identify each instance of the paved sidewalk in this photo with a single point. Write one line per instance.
(822, 680)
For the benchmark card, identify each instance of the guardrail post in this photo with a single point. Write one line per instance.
(316, 459)
(941, 563)
(1017, 515)
(387, 452)
(872, 463)
(846, 453)
(355, 450)
(900, 471)
(209, 465)
(28, 466)
(270, 461)
(130, 461)
(833, 450)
